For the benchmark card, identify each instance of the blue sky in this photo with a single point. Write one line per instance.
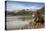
(27, 0)
(14, 5)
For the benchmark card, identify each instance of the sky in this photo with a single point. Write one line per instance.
(15, 5)
(27, 0)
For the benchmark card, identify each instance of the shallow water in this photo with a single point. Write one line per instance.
(17, 22)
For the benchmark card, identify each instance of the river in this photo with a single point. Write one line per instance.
(17, 22)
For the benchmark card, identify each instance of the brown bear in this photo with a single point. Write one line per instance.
(38, 20)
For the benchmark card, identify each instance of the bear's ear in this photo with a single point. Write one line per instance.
(39, 12)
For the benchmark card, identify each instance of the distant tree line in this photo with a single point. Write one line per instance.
(23, 12)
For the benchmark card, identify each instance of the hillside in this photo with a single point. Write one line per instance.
(24, 12)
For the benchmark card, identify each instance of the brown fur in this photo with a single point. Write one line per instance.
(38, 20)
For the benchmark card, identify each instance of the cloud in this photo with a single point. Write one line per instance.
(35, 7)
(23, 5)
